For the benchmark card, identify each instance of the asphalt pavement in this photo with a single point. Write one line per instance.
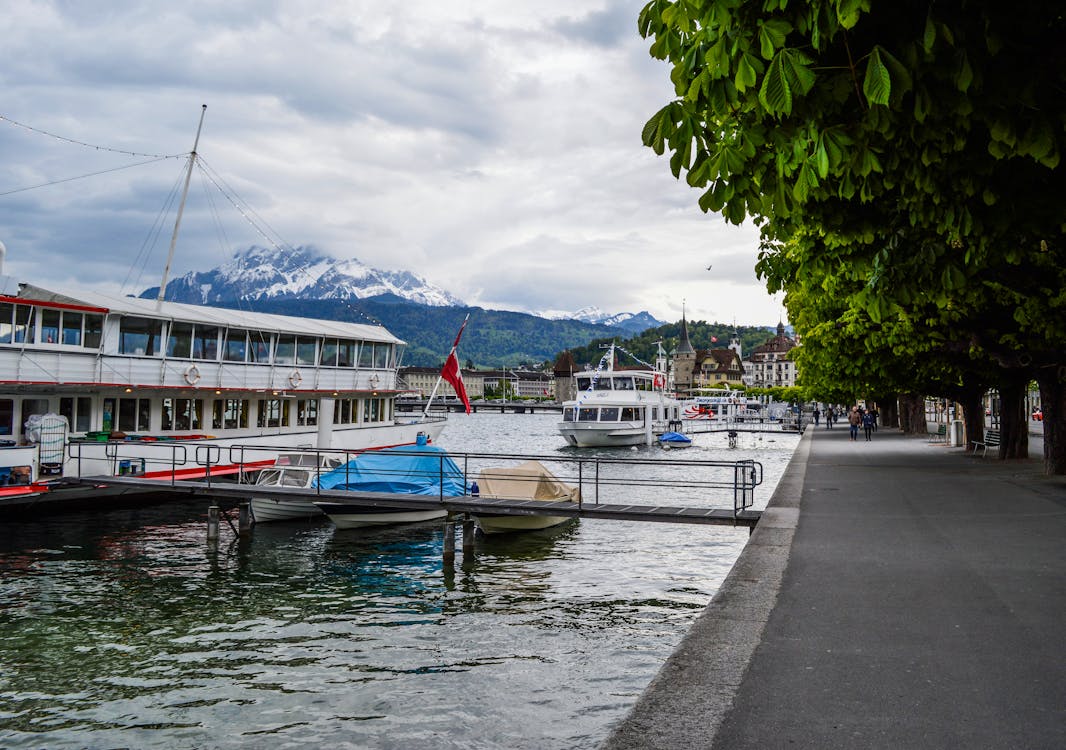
(896, 594)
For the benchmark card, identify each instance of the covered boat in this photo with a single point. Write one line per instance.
(409, 470)
(674, 440)
(527, 481)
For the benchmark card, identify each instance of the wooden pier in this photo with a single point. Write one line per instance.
(465, 504)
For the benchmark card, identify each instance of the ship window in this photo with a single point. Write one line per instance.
(568, 414)
(205, 343)
(366, 354)
(374, 410)
(583, 384)
(624, 384)
(72, 322)
(50, 326)
(346, 353)
(286, 351)
(602, 384)
(259, 347)
(78, 412)
(381, 355)
(236, 345)
(630, 414)
(609, 414)
(94, 329)
(305, 351)
(229, 414)
(182, 413)
(586, 415)
(7, 416)
(329, 353)
(273, 412)
(134, 414)
(342, 411)
(7, 314)
(179, 343)
(25, 324)
(139, 336)
(307, 412)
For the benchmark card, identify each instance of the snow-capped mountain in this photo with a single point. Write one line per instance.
(632, 322)
(300, 273)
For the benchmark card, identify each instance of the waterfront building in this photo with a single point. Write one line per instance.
(693, 369)
(772, 364)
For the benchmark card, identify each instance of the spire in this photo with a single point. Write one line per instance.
(780, 328)
(683, 346)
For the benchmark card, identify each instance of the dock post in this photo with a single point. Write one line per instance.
(449, 544)
(244, 518)
(212, 523)
(469, 532)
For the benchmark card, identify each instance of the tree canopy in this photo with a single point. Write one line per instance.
(902, 161)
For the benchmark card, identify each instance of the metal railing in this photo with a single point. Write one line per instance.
(627, 481)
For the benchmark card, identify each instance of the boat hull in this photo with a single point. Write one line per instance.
(355, 516)
(599, 436)
(267, 509)
(510, 524)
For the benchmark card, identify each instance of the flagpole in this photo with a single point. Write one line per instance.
(440, 377)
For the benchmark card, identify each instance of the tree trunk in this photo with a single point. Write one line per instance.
(1052, 382)
(912, 414)
(973, 415)
(888, 411)
(1014, 422)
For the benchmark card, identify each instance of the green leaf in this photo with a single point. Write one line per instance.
(929, 35)
(772, 36)
(964, 75)
(745, 73)
(877, 85)
(822, 160)
(775, 94)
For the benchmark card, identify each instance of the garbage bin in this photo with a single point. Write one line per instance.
(956, 433)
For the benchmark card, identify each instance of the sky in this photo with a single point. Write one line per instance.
(492, 147)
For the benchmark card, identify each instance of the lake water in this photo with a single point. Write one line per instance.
(123, 629)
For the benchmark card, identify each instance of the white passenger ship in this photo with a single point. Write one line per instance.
(619, 407)
(95, 384)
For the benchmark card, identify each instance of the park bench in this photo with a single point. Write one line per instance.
(941, 434)
(991, 440)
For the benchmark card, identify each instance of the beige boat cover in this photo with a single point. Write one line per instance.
(529, 480)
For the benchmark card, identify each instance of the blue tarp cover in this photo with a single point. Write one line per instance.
(674, 437)
(409, 469)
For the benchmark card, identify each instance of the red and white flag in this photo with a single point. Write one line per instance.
(451, 372)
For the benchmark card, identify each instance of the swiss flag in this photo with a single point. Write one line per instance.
(714, 339)
(451, 373)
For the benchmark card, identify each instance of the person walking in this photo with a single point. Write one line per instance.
(854, 420)
(829, 416)
(816, 415)
(868, 423)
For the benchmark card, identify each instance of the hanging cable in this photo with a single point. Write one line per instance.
(38, 131)
(83, 176)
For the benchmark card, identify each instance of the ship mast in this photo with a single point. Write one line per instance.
(181, 209)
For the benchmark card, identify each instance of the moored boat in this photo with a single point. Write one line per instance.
(289, 470)
(673, 440)
(421, 469)
(531, 481)
(619, 407)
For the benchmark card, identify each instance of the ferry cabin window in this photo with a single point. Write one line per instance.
(49, 326)
(25, 324)
(307, 412)
(306, 351)
(568, 414)
(374, 410)
(343, 412)
(229, 414)
(31, 406)
(366, 354)
(7, 317)
(259, 347)
(382, 354)
(583, 383)
(94, 330)
(586, 415)
(71, 328)
(179, 342)
(602, 384)
(236, 346)
(139, 336)
(609, 414)
(630, 414)
(7, 416)
(205, 342)
(78, 412)
(182, 414)
(329, 353)
(624, 384)
(346, 353)
(286, 351)
(134, 414)
(273, 412)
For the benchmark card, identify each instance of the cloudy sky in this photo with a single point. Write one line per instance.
(492, 147)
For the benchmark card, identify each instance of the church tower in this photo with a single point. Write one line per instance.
(684, 359)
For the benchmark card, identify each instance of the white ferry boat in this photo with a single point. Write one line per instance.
(96, 384)
(620, 407)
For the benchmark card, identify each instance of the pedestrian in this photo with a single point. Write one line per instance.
(854, 420)
(830, 415)
(876, 415)
(868, 423)
(816, 415)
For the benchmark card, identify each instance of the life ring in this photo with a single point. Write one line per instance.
(192, 374)
(295, 378)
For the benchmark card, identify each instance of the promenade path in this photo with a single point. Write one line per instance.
(896, 594)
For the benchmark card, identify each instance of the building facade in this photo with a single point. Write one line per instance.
(772, 364)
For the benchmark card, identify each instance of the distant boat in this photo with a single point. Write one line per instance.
(619, 407)
(674, 440)
(527, 481)
(409, 470)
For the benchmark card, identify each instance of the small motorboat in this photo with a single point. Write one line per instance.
(674, 440)
(527, 481)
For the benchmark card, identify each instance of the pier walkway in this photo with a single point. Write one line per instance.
(895, 594)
